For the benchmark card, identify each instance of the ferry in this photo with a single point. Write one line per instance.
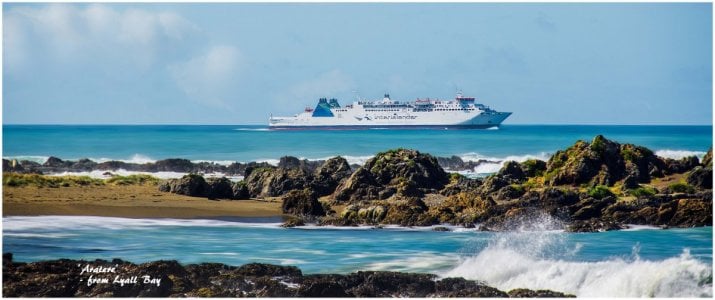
(460, 112)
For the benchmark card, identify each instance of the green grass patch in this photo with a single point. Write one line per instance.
(644, 191)
(681, 188)
(600, 192)
(137, 179)
(518, 188)
(18, 180)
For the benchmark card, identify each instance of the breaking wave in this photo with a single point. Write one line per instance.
(542, 260)
(104, 174)
(491, 164)
(678, 154)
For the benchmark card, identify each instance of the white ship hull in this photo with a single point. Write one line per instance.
(382, 119)
(458, 113)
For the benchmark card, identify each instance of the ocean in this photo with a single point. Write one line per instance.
(230, 143)
(641, 262)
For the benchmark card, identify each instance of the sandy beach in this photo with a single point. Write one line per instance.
(132, 201)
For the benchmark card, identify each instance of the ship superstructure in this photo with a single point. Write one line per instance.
(458, 112)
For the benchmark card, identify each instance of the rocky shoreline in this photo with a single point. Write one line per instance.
(55, 165)
(590, 186)
(78, 278)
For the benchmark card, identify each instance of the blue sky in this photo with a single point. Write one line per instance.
(237, 63)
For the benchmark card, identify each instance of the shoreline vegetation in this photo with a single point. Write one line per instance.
(590, 186)
(118, 278)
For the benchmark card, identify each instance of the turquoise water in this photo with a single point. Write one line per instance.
(538, 259)
(251, 143)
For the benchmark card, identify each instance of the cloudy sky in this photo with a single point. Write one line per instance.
(237, 63)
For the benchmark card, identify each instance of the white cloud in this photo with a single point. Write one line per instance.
(68, 33)
(208, 78)
(121, 42)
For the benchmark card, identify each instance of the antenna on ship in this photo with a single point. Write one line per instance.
(357, 95)
(458, 91)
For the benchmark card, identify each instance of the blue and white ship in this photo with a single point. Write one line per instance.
(461, 112)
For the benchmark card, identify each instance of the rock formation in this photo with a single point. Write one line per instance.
(62, 278)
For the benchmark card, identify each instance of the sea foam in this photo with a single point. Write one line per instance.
(542, 260)
(23, 224)
(678, 154)
(492, 164)
(100, 174)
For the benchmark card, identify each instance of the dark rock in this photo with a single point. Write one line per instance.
(555, 197)
(240, 191)
(460, 287)
(360, 186)
(412, 212)
(682, 165)
(509, 192)
(533, 167)
(525, 293)
(512, 172)
(55, 162)
(219, 188)
(592, 207)
(61, 278)
(257, 269)
(12, 166)
(302, 203)
(189, 185)
(692, 212)
(493, 183)
(630, 182)
(602, 162)
(273, 182)
(113, 165)
(409, 172)
(293, 222)
(329, 175)
(452, 163)
(290, 162)
(594, 225)
(708, 159)
(173, 165)
(701, 178)
(392, 284)
(461, 184)
(319, 287)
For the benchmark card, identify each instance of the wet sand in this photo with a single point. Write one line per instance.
(131, 201)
